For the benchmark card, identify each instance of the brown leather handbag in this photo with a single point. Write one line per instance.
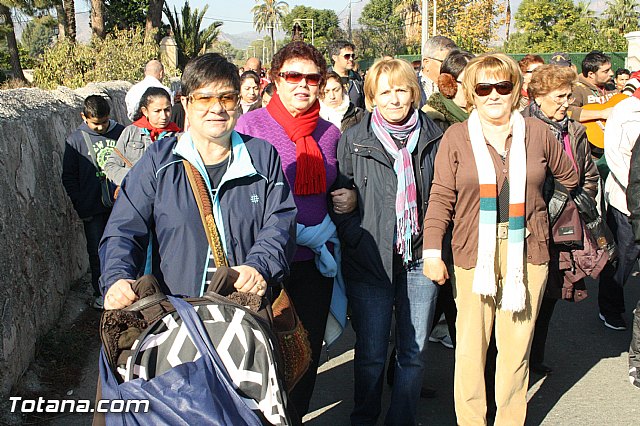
(292, 337)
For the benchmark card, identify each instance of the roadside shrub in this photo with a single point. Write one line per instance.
(120, 56)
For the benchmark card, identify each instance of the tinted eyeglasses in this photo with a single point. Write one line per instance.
(204, 101)
(295, 77)
(502, 87)
(561, 100)
(348, 56)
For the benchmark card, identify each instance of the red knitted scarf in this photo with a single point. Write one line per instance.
(154, 132)
(311, 177)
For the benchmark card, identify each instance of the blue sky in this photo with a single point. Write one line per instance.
(237, 17)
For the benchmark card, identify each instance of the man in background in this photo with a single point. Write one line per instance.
(153, 75)
(344, 59)
(433, 53)
(255, 65)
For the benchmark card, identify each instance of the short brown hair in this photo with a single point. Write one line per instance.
(400, 73)
(528, 60)
(296, 50)
(496, 65)
(547, 78)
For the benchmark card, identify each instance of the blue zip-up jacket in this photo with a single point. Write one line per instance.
(253, 205)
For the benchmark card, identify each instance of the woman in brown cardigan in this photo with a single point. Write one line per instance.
(489, 173)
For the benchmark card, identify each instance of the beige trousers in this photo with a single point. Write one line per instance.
(514, 333)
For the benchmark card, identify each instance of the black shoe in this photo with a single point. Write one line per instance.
(540, 368)
(613, 321)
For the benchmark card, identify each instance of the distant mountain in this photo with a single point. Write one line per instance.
(243, 40)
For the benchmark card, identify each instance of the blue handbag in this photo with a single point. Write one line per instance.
(194, 393)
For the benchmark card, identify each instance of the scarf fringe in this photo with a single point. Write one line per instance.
(406, 206)
(514, 292)
(484, 277)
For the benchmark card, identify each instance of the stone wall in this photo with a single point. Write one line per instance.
(42, 246)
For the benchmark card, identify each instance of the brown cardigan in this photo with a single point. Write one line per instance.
(455, 192)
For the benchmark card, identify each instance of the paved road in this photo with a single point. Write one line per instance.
(589, 385)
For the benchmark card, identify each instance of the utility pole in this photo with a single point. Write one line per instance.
(349, 22)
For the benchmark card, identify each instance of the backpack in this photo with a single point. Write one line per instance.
(206, 360)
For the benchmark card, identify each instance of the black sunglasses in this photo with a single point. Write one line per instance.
(295, 77)
(348, 56)
(502, 87)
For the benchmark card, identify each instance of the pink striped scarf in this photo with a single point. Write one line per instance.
(407, 223)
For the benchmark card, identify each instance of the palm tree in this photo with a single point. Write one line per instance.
(97, 18)
(622, 15)
(411, 12)
(154, 19)
(190, 40)
(66, 14)
(269, 15)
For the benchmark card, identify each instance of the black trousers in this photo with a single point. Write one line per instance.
(542, 329)
(446, 304)
(93, 230)
(310, 292)
(611, 287)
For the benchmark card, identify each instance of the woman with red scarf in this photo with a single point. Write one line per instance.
(307, 146)
(152, 122)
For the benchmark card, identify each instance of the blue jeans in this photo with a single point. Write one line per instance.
(612, 280)
(372, 304)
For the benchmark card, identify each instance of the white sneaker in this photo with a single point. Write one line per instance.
(445, 340)
(98, 303)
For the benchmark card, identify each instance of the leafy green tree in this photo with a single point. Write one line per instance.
(38, 35)
(7, 30)
(190, 39)
(553, 25)
(326, 25)
(382, 30)
(125, 14)
(153, 23)
(225, 48)
(66, 14)
(622, 15)
(269, 15)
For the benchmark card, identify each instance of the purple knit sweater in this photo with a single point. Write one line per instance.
(311, 208)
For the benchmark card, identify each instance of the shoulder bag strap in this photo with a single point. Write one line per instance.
(125, 159)
(205, 208)
(92, 152)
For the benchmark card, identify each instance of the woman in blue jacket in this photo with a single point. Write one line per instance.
(247, 193)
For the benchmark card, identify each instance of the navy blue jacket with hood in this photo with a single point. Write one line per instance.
(253, 209)
(78, 172)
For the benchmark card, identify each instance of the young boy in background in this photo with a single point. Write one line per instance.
(86, 151)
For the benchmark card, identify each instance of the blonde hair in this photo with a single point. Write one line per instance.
(547, 78)
(399, 73)
(496, 65)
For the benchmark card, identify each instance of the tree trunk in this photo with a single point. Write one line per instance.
(12, 44)
(70, 12)
(154, 19)
(62, 20)
(507, 20)
(273, 47)
(97, 18)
